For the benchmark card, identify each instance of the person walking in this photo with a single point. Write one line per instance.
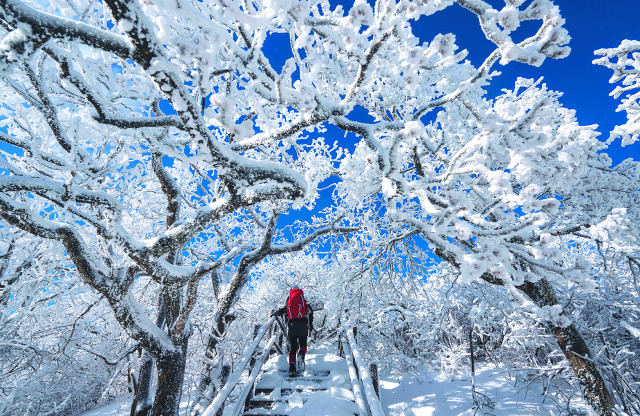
(299, 316)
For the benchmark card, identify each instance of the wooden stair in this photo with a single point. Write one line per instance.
(324, 382)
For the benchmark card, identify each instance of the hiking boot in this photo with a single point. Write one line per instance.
(300, 362)
(292, 370)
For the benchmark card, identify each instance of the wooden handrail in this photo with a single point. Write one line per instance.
(373, 401)
(241, 400)
(355, 381)
(233, 380)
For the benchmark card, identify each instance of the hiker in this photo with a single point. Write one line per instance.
(299, 316)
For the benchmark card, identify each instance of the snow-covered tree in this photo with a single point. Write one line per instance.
(94, 164)
(61, 352)
(491, 183)
(155, 140)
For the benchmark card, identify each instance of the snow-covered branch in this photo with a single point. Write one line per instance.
(624, 61)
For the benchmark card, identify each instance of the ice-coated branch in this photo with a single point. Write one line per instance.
(104, 112)
(140, 122)
(169, 187)
(179, 234)
(303, 242)
(624, 61)
(47, 109)
(256, 217)
(548, 41)
(36, 153)
(306, 121)
(47, 25)
(362, 69)
(282, 181)
(61, 191)
(20, 215)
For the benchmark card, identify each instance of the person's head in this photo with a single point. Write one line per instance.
(294, 286)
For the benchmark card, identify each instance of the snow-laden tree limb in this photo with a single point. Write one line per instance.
(624, 61)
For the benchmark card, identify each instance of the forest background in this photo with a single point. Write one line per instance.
(169, 169)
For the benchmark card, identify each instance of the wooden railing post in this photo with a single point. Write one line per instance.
(372, 399)
(270, 331)
(355, 339)
(249, 396)
(373, 371)
(283, 332)
(218, 401)
(277, 346)
(247, 392)
(281, 341)
(256, 328)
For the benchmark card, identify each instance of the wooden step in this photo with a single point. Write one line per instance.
(307, 373)
(261, 403)
(286, 391)
(303, 385)
(253, 412)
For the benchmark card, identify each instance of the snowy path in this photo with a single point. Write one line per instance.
(323, 388)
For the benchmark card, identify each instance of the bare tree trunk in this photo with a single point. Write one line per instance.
(142, 403)
(576, 350)
(170, 378)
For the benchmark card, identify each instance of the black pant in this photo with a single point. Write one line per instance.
(297, 342)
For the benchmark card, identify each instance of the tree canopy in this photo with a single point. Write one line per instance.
(149, 147)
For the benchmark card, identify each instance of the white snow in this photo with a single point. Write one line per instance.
(323, 389)
(430, 394)
(438, 395)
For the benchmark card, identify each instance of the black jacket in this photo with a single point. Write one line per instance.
(300, 327)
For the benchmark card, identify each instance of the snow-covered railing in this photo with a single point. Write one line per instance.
(355, 381)
(361, 377)
(218, 402)
(246, 393)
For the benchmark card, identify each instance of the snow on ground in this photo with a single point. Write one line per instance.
(325, 385)
(119, 407)
(429, 395)
(436, 395)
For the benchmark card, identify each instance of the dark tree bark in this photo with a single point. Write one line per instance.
(576, 350)
(142, 403)
(170, 378)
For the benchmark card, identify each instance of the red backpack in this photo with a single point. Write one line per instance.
(296, 304)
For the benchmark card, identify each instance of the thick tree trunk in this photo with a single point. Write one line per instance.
(575, 349)
(170, 378)
(142, 400)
